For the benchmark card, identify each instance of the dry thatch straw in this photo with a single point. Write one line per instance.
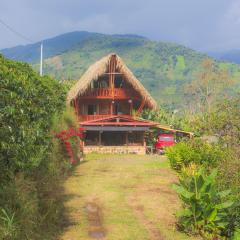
(98, 69)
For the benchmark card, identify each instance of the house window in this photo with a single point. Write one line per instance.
(118, 83)
(92, 109)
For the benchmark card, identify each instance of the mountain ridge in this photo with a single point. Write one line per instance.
(60, 42)
(232, 55)
(163, 68)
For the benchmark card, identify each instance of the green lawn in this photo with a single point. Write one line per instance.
(125, 197)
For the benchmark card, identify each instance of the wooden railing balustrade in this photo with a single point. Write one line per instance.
(82, 118)
(118, 93)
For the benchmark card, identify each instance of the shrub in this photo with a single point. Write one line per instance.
(229, 178)
(32, 162)
(28, 103)
(64, 122)
(205, 210)
(194, 151)
(186, 158)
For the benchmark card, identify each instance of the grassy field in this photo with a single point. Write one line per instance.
(123, 197)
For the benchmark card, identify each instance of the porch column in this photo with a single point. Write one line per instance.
(111, 107)
(99, 138)
(126, 138)
(143, 139)
(98, 109)
(131, 106)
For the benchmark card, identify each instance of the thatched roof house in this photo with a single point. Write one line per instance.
(98, 69)
(108, 100)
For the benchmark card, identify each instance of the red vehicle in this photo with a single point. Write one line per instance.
(164, 140)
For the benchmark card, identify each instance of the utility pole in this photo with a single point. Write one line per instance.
(41, 60)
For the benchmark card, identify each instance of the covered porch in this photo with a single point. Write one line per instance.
(116, 134)
(115, 139)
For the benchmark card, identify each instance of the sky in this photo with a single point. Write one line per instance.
(204, 25)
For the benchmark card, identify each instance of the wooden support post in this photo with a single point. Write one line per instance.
(131, 106)
(99, 138)
(76, 107)
(112, 70)
(98, 109)
(126, 138)
(111, 108)
(143, 139)
(141, 106)
(110, 75)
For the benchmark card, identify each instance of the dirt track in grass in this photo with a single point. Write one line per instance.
(121, 197)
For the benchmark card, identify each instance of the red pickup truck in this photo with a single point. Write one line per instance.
(164, 140)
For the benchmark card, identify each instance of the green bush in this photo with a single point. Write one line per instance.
(28, 103)
(32, 161)
(186, 158)
(194, 151)
(64, 122)
(205, 208)
(229, 178)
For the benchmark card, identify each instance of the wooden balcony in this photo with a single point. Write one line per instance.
(109, 93)
(83, 118)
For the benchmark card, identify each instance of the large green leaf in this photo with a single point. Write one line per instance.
(212, 216)
(182, 191)
(225, 193)
(185, 213)
(224, 205)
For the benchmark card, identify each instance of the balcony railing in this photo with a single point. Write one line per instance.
(83, 118)
(118, 93)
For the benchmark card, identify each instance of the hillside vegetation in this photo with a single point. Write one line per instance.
(164, 68)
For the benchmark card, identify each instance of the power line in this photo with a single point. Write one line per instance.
(15, 32)
(28, 40)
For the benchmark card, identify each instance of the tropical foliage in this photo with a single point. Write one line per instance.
(194, 152)
(208, 166)
(205, 210)
(222, 123)
(32, 162)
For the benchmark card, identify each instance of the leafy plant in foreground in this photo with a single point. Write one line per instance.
(8, 224)
(205, 211)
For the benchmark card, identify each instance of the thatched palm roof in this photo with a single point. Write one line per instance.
(98, 69)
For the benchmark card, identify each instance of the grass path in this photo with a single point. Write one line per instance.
(121, 197)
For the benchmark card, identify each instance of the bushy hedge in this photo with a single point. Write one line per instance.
(27, 104)
(194, 151)
(31, 160)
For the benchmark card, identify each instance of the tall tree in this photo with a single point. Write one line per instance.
(210, 83)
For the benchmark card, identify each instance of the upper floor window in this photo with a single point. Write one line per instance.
(102, 82)
(118, 83)
(92, 109)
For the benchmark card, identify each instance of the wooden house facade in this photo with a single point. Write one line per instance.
(107, 100)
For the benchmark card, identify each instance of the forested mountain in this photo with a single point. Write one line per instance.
(164, 68)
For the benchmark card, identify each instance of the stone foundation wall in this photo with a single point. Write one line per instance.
(115, 149)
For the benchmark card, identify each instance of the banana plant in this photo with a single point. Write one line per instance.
(204, 207)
